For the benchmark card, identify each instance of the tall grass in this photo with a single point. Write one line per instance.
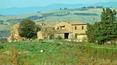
(57, 52)
(14, 56)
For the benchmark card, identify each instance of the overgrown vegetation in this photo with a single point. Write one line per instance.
(53, 52)
(104, 31)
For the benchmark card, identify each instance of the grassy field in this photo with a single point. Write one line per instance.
(55, 52)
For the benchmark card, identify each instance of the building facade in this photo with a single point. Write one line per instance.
(65, 30)
(72, 31)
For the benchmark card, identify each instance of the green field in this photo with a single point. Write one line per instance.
(54, 52)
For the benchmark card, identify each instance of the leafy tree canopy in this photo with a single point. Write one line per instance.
(28, 29)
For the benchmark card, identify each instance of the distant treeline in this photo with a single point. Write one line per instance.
(87, 14)
(94, 7)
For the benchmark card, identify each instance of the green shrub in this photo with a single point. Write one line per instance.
(59, 38)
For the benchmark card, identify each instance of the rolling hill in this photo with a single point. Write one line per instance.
(84, 14)
(23, 10)
(75, 14)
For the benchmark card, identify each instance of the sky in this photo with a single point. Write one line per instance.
(42, 3)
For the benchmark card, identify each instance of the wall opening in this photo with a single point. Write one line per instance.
(66, 35)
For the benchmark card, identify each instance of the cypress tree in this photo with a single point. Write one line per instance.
(106, 30)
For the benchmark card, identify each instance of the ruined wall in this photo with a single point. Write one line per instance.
(14, 33)
(40, 35)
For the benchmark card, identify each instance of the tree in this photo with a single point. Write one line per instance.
(90, 33)
(28, 29)
(106, 30)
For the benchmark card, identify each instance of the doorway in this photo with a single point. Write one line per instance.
(66, 35)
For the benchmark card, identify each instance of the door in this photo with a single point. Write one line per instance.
(66, 35)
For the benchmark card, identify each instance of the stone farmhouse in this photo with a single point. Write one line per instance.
(65, 30)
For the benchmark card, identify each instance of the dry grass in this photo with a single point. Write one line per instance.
(56, 53)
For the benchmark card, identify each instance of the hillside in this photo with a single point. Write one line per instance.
(80, 14)
(84, 14)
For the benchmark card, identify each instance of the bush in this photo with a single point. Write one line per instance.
(3, 40)
(59, 38)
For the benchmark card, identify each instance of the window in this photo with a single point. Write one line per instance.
(62, 27)
(58, 28)
(75, 27)
(53, 28)
(82, 27)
